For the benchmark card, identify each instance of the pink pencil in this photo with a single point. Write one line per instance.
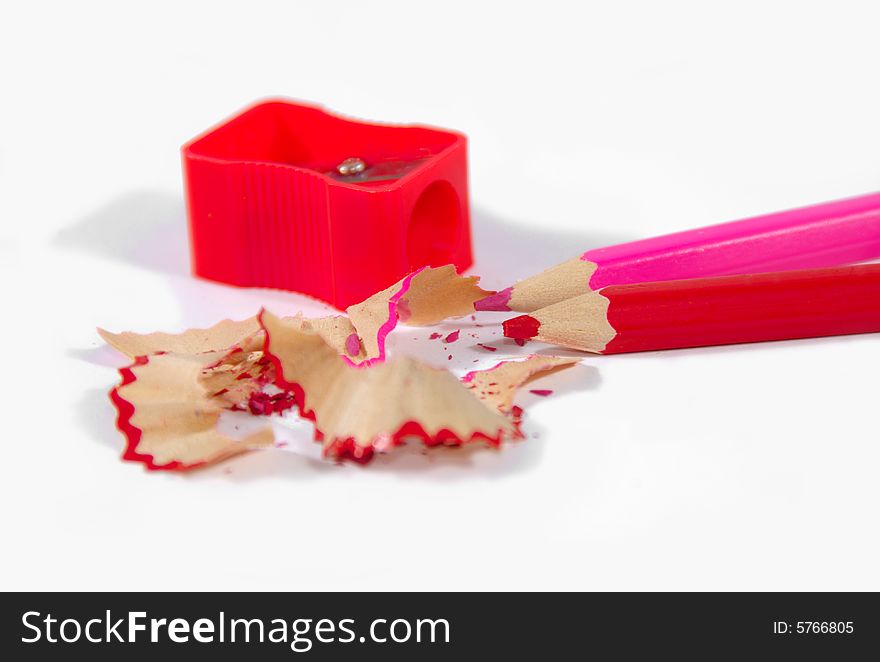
(828, 234)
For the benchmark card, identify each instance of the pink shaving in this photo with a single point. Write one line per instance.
(403, 311)
(497, 301)
(452, 337)
(353, 344)
(543, 392)
(393, 305)
(388, 326)
(488, 347)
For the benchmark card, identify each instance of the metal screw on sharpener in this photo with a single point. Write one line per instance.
(352, 166)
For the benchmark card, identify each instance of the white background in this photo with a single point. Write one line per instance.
(750, 467)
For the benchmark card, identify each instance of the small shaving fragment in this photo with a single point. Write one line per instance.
(497, 386)
(261, 403)
(240, 373)
(352, 344)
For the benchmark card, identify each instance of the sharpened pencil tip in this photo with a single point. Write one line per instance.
(522, 327)
(497, 301)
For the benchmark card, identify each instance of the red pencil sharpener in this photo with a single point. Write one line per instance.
(289, 196)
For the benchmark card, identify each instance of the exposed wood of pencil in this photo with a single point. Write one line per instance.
(823, 235)
(563, 281)
(711, 311)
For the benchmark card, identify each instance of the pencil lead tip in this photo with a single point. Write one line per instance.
(522, 327)
(497, 301)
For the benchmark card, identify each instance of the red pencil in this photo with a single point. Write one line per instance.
(711, 311)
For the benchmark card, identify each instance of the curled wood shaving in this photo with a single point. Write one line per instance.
(359, 410)
(427, 296)
(168, 416)
(436, 294)
(221, 336)
(226, 335)
(375, 317)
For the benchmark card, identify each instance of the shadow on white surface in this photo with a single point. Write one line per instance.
(144, 228)
(148, 229)
(512, 457)
(96, 415)
(103, 355)
(505, 251)
(263, 465)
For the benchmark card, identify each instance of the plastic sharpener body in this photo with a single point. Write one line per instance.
(287, 195)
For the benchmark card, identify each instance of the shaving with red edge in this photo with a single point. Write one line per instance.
(333, 371)
(169, 417)
(357, 411)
